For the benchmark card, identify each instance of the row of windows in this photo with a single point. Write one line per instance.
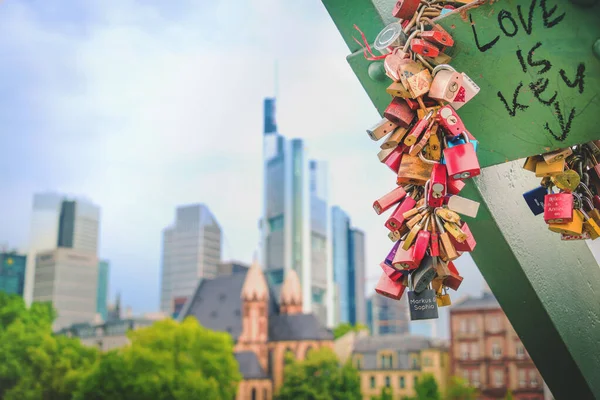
(388, 381)
(473, 377)
(469, 325)
(472, 351)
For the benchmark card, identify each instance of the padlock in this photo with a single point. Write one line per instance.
(394, 139)
(454, 187)
(461, 161)
(434, 242)
(384, 154)
(437, 283)
(446, 83)
(575, 227)
(421, 113)
(423, 211)
(468, 244)
(413, 170)
(397, 89)
(447, 215)
(423, 275)
(405, 9)
(453, 280)
(417, 130)
(408, 68)
(531, 163)
(430, 104)
(558, 208)
(389, 260)
(458, 140)
(412, 235)
(466, 92)
(535, 199)
(447, 10)
(381, 129)
(389, 288)
(441, 58)
(543, 169)
(590, 226)
(584, 236)
(424, 48)
(422, 242)
(450, 121)
(388, 200)
(463, 206)
(437, 187)
(455, 233)
(416, 148)
(557, 155)
(567, 181)
(438, 37)
(447, 245)
(392, 273)
(394, 236)
(441, 269)
(394, 160)
(419, 84)
(443, 300)
(396, 219)
(404, 259)
(421, 305)
(399, 113)
(435, 148)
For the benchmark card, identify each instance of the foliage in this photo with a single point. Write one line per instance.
(386, 394)
(34, 364)
(426, 389)
(320, 377)
(168, 360)
(458, 389)
(346, 327)
(508, 396)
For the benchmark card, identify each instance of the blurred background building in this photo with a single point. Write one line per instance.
(386, 316)
(12, 272)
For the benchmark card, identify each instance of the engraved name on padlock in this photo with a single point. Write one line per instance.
(558, 208)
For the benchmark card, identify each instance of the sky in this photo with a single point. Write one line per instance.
(144, 106)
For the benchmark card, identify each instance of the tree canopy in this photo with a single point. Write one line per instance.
(320, 377)
(426, 389)
(458, 389)
(346, 327)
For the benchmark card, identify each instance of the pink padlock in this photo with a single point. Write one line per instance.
(388, 200)
(396, 219)
(393, 273)
(446, 83)
(395, 158)
(467, 91)
(558, 208)
(405, 259)
(421, 244)
(390, 288)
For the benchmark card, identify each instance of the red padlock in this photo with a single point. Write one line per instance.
(424, 48)
(395, 158)
(434, 246)
(454, 187)
(453, 280)
(399, 113)
(405, 9)
(404, 259)
(396, 219)
(437, 185)
(414, 104)
(450, 121)
(417, 130)
(438, 37)
(388, 200)
(558, 208)
(392, 273)
(461, 160)
(421, 243)
(389, 288)
(469, 244)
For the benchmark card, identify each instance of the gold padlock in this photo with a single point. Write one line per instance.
(568, 180)
(413, 170)
(574, 227)
(394, 139)
(557, 155)
(397, 89)
(443, 300)
(590, 226)
(442, 270)
(456, 232)
(595, 215)
(419, 84)
(531, 163)
(542, 169)
(421, 113)
(447, 215)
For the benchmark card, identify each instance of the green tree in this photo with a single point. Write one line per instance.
(168, 360)
(426, 389)
(458, 389)
(386, 394)
(320, 377)
(35, 364)
(346, 327)
(508, 396)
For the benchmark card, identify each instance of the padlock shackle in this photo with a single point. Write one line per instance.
(427, 161)
(442, 67)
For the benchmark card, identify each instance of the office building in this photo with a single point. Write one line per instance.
(348, 249)
(102, 293)
(295, 223)
(69, 279)
(12, 273)
(191, 251)
(386, 316)
(59, 222)
(486, 351)
(398, 362)
(231, 267)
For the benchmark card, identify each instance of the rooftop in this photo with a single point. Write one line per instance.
(486, 301)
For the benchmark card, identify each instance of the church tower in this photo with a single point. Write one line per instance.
(291, 294)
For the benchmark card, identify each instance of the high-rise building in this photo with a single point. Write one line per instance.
(487, 352)
(191, 250)
(102, 293)
(12, 273)
(386, 316)
(348, 268)
(69, 279)
(59, 222)
(295, 227)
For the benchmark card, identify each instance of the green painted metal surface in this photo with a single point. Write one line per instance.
(533, 59)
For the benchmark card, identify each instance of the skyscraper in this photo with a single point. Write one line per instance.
(386, 316)
(102, 292)
(295, 230)
(12, 273)
(191, 250)
(58, 222)
(349, 268)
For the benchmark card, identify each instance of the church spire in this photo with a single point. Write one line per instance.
(255, 286)
(291, 294)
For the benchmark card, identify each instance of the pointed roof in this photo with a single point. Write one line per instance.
(291, 291)
(255, 286)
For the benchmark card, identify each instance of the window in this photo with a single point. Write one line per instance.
(533, 378)
(358, 361)
(522, 378)
(496, 350)
(475, 375)
(372, 382)
(386, 361)
(473, 326)
(520, 351)
(265, 394)
(427, 361)
(387, 381)
(464, 351)
(463, 325)
(253, 393)
(415, 381)
(474, 351)
(402, 383)
(494, 324)
(466, 375)
(498, 378)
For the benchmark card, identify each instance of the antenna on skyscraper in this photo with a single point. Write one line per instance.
(276, 79)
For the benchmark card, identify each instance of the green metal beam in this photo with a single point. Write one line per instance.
(549, 289)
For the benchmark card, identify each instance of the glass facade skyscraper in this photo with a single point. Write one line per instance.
(295, 223)
(348, 268)
(102, 297)
(12, 273)
(386, 316)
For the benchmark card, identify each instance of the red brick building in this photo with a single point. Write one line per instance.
(486, 351)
